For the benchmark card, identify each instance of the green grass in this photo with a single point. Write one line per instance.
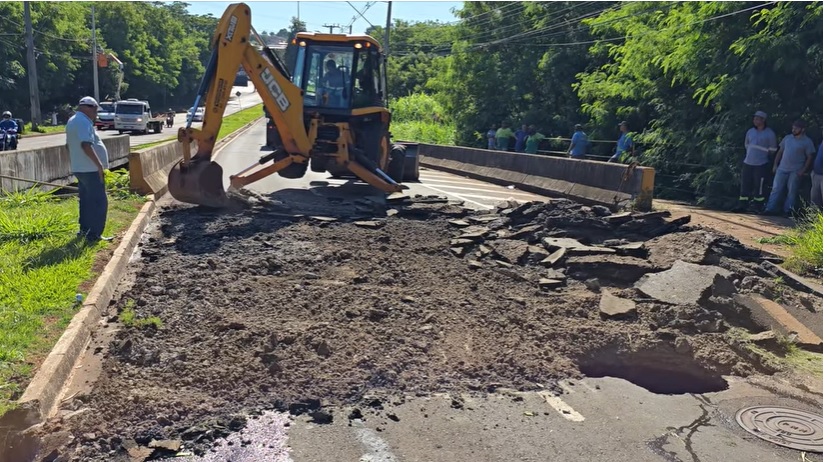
(423, 132)
(27, 128)
(235, 121)
(129, 319)
(790, 356)
(42, 267)
(806, 242)
(230, 124)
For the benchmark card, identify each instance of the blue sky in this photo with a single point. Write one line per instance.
(272, 16)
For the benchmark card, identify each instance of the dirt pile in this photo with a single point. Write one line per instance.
(264, 310)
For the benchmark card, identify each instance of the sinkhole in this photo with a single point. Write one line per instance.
(662, 371)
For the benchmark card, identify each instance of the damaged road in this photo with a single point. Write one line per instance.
(344, 312)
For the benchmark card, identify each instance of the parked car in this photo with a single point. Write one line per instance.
(198, 117)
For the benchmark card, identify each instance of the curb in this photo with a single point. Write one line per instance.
(43, 394)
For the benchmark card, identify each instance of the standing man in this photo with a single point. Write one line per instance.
(89, 160)
(504, 135)
(532, 142)
(625, 145)
(579, 143)
(521, 135)
(817, 190)
(760, 143)
(791, 164)
(492, 137)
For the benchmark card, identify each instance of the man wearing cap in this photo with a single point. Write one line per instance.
(579, 143)
(624, 143)
(756, 171)
(89, 160)
(795, 155)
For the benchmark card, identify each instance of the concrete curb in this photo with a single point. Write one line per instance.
(42, 396)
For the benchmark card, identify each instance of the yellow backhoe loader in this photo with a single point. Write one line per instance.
(331, 113)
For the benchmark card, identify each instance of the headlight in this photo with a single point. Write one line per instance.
(138, 119)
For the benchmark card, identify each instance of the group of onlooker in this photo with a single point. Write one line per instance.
(527, 139)
(772, 172)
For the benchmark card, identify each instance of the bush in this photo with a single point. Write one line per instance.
(419, 117)
(418, 107)
(807, 240)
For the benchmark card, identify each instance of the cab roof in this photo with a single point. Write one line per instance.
(322, 37)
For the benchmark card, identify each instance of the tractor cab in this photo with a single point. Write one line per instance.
(339, 73)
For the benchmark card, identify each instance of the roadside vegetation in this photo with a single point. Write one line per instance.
(129, 319)
(42, 268)
(783, 354)
(419, 117)
(27, 129)
(230, 124)
(806, 243)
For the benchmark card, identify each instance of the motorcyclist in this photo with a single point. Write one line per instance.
(10, 126)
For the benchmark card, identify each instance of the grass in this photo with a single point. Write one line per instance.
(129, 319)
(789, 355)
(423, 132)
(42, 267)
(27, 129)
(806, 241)
(230, 124)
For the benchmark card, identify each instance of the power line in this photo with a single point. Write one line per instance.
(47, 34)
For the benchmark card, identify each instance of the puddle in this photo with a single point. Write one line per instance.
(663, 372)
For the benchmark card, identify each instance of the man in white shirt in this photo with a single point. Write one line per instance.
(89, 159)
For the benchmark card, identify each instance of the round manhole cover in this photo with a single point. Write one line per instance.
(783, 426)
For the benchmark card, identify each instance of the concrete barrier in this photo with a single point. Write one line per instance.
(589, 181)
(52, 164)
(149, 168)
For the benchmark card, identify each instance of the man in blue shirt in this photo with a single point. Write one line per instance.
(88, 159)
(792, 162)
(625, 146)
(10, 126)
(817, 191)
(579, 143)
(521, 135)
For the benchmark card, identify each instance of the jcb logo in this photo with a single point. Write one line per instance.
(275, 90)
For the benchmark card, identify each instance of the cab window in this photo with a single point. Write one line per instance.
(368, 89)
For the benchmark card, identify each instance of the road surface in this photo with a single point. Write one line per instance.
(247, 99)
(596, 419)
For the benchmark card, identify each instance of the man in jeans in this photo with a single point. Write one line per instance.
(817, 191)
(89, 160)
(795, 155)
(760, 144)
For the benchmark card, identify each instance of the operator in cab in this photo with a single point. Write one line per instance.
(333, 76)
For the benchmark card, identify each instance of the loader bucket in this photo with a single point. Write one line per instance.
(199, 183)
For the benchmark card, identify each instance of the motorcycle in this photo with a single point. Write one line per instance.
(170, 120)
(8, 140)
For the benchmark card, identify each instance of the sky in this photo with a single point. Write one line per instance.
(272, 16)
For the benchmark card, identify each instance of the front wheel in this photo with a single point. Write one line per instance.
(396, 166)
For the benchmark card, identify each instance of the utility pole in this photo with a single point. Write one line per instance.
(34, 94)
(95, 57)
(331, 26)
(388, 32)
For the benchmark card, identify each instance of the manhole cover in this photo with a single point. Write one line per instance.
(783, 426)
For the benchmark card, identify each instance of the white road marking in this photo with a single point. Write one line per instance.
(457, 196)
(560, 406)
(377, 448)
(495, 191)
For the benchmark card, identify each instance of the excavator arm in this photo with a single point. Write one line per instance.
(196, 179)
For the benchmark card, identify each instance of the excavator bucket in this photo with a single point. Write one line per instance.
(199, 183)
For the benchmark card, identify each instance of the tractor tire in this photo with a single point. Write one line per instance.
(396, 167)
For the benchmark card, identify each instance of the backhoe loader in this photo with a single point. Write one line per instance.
(331, 113)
